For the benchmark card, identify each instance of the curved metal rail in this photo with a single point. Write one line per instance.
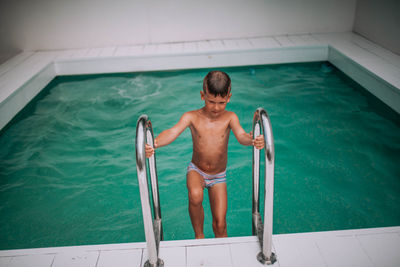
(262, 122)
(152, 227)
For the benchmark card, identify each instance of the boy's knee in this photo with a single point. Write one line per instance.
(219, 225)
(196, 196)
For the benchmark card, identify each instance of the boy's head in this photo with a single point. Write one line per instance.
(217, 83)
(216, 92)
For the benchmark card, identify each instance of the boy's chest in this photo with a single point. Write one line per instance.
(207, 128)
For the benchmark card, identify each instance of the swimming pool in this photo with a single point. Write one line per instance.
(68, 169)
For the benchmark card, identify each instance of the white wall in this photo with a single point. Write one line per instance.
(379, 21)
(65, 24)
(201, 20)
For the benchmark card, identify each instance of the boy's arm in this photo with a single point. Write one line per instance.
(168, 136)
(243, 137)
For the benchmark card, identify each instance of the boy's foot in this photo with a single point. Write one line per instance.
(201, 236)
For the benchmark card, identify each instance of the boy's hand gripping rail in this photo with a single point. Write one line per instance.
(264, 232)
(152, 227)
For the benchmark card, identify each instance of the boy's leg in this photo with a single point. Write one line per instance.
(218, 203)
(195, 185)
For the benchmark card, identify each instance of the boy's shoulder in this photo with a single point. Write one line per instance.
(190, 114)
(230, 114)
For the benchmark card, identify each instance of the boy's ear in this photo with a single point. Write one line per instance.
(202, 94)
(229, 97)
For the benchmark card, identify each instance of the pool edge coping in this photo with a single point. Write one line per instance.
(195, 242)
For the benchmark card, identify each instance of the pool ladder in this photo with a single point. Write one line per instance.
(152, 223)
(263, 231)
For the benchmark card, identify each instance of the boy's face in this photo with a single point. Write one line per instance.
(214, 104)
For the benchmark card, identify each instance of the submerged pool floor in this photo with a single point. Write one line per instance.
(67, 162)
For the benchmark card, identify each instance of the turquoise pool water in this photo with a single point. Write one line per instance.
(67, 162)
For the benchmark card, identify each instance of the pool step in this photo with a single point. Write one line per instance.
(362, 247)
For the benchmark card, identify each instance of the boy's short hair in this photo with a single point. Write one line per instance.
(217, 83)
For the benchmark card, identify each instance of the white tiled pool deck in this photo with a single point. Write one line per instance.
(353, 248)
(375, 68)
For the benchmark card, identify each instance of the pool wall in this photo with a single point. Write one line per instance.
(25, 92)
(216, 58)
(27, 75)
(382, 89)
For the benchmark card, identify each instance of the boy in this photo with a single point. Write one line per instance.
(210, 127)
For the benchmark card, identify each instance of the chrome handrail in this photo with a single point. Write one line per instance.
(262, 122)
(152, 227)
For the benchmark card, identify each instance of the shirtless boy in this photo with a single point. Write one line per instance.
(210, 127)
